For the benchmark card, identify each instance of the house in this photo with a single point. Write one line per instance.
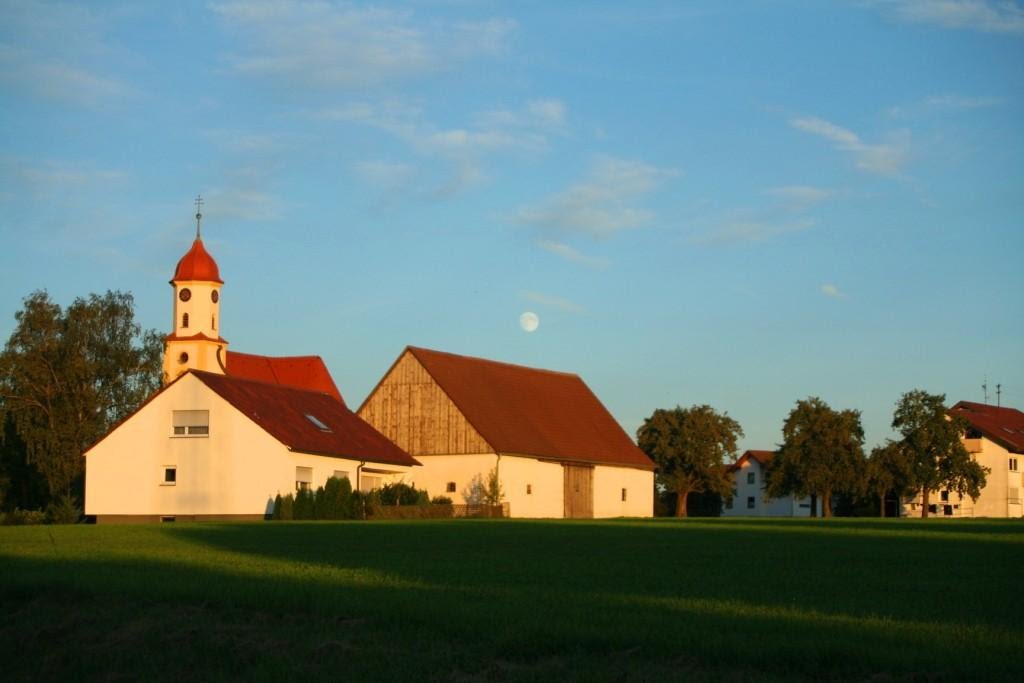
(555, 448)
(749, 499)
(229, 431)
(995, 439)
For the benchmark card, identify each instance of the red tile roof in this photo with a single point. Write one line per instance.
(527, 411)
(283, 413)
(1005, 426)
(197, 265)
(762, 457)
(303, 372)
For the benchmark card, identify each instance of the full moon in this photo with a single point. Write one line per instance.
(529, 321)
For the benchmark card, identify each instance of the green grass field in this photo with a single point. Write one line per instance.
(475, 600)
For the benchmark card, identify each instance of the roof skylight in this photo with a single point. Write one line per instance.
(317, 423)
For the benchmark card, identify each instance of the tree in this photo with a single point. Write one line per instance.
(67, 376)
(689, 446)
(821, 453)
(887, 470)
(480, 491)
(935, 454)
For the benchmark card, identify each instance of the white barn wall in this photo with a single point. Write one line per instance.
(608, 485)
(545, 480)
(438, 470)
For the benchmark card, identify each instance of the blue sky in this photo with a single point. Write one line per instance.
(740, 204)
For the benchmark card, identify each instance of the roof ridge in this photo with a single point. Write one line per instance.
(277, 385)
(261, 355)
(517, 366)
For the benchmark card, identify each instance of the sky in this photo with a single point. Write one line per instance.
(738, 204)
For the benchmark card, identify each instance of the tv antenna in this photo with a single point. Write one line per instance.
(999, 392)
(984, 387)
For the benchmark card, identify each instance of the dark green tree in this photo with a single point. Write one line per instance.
(931, 443)
(67, 376)
(689, 447)
(887, 471)
(822, 453)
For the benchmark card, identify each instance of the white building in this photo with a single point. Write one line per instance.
(229, 431)
(749, 499)
(995, 439)
(556, 449)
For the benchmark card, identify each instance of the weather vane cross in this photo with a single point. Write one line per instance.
(199, 213)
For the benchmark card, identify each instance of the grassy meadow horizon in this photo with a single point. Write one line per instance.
(515, 600)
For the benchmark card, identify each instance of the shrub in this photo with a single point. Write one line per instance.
(64, 510)
(440, 500)
(288, 507)
(402, 494)
(18, 517)
(278, 504)
(304, 504)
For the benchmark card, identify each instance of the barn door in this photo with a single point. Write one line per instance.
(578, 491)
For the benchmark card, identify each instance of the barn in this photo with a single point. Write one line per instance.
(556, 449)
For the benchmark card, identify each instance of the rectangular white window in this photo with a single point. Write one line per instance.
(191, 422)
(368, 483)
(303, 478)
(170, 476)
(341, 474)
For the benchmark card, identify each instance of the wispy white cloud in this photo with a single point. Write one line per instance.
(883, 159)
(732, 232)
(247, 142)
(603, 204)
(330, 44)
(555, 302)
(800, 197)
(384, 174)
(832, 291)
(58, 81)
(989, 16)
(223, 203)
(790, 211)
(462, 148)
(945, 103)
(961, 102)
(570, 254)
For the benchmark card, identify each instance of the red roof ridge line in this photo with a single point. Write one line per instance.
(236, 378)
(495, 362)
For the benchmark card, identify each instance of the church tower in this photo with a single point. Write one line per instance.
(195, 342)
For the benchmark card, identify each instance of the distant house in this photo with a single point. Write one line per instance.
(995, 439)
(749, 499)
(229, 431)
(556, 449)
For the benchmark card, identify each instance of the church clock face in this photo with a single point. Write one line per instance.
(185, 294)
(215, 296)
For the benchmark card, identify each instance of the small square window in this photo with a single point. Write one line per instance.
(450, 488)
(944, 495)
(750, 502)
(750, 477)
(529, 489)
(623, 495)
(170, 476)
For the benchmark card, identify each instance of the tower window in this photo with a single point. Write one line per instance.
(213, 322)
(183, 358)
(184, 319)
